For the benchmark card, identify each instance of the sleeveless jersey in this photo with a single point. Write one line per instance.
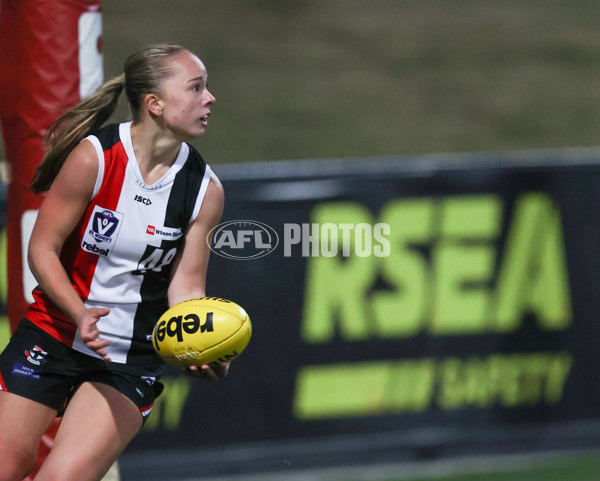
(120, 254)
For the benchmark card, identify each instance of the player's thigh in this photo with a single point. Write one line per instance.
(22, 424)
(97, 425)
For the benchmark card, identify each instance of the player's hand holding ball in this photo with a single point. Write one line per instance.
(208, 372)
(202, 336)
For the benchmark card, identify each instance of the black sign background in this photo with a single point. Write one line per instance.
(255, 402)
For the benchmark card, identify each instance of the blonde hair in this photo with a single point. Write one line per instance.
(144, 71)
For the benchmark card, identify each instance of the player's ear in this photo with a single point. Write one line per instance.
(153, 104)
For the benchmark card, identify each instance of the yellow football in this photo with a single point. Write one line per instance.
(202, 331)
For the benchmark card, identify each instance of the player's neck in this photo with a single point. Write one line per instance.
(154, 150)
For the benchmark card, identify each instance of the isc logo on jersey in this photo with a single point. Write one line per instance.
(101, 232)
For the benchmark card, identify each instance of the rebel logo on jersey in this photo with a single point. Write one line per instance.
(102, 231)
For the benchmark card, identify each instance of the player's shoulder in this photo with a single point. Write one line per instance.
(195, 161)
(108, 136)
(215, 187)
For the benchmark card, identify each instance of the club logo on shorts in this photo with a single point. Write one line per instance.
(102, 231)
(36, 355)
(146, 411)
(149, 379)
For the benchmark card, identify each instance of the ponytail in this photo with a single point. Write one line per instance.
(73, 126)
(144, 72)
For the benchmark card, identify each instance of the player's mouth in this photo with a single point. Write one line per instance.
(204, 119)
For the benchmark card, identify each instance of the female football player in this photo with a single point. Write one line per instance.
(120, 236)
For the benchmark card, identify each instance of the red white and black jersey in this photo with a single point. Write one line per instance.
(121, 252)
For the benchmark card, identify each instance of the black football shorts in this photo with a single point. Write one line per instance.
(39, 367)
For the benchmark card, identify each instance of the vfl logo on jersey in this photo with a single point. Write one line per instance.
(103, 224)
(36, 355)
(102, 231)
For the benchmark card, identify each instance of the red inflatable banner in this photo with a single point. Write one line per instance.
(50, 57)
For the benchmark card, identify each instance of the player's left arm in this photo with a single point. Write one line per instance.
(188, 278)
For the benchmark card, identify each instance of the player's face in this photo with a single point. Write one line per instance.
(185, 98)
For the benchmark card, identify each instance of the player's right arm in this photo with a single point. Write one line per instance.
(60, 212)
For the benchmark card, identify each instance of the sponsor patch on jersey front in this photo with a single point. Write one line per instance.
(102, 231)
(164, 232)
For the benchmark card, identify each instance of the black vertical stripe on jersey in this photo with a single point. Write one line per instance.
(153, 291)
(185, 191)
(108, 136)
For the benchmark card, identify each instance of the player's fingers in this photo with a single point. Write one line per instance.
(98, 346)
(207, 373)
(201, 372)
(104, 355)
(100, 311)
(193, 371)
(220, 369)
(190, 371)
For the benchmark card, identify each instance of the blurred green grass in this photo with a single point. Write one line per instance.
(348, 78)
(4, 332)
